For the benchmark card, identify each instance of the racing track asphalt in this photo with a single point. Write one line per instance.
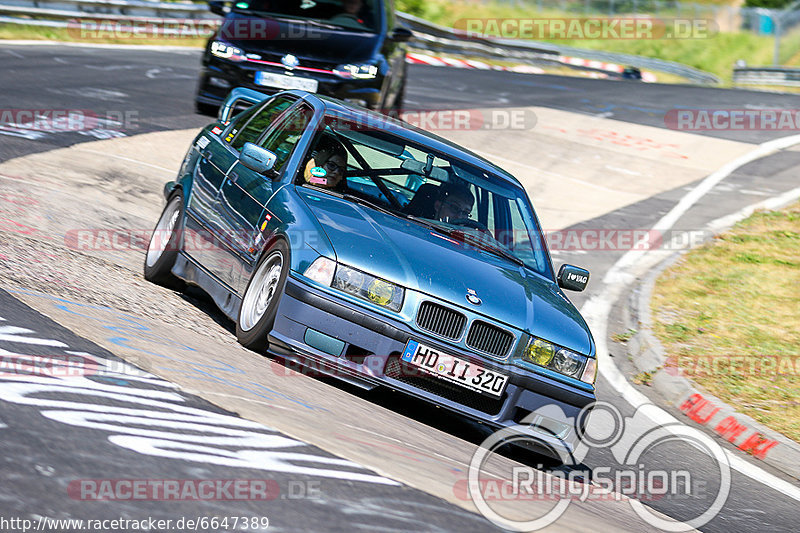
(112, 81)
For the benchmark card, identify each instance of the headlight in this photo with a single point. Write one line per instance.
(568, 363)
(368, 287)
(356, 72)
(227, 51)
(548, 355)
(321, 271)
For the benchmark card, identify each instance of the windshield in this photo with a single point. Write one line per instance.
(466, 203)
(360, 15)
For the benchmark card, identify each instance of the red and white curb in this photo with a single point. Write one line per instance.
(438, 61)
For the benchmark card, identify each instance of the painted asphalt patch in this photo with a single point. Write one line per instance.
(85, 429)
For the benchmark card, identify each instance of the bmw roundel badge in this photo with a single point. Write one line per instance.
(472, 297)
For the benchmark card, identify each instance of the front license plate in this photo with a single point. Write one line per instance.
(455, 369)
(279, 81)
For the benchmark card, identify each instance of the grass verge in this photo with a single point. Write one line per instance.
(716, 54)
(728, 315)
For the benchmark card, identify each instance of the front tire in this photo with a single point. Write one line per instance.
(260, 303)
(162, 250)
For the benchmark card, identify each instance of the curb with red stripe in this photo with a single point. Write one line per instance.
(438, 61)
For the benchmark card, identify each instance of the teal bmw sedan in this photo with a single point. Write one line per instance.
(382, 255)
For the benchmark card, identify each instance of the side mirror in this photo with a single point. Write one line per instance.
(572, 278)
(217, 7)
(401, 35)
(236, 97)
(256, 158)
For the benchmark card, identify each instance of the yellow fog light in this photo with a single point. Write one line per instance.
(540, 352)
(380, 292)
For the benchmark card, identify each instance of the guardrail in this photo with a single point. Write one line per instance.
(427, 35)
(788, 77)
(550, 50)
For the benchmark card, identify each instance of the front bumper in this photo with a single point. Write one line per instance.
(364, 348)
(219, 77)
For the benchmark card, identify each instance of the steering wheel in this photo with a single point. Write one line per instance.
(469, 223)
(347, 19)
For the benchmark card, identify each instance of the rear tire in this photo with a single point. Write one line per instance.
(162, 250)
(260, 302)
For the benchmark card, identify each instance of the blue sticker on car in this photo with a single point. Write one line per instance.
(411, 348)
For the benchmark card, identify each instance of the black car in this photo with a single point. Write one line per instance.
(632, 73)
(349, 49)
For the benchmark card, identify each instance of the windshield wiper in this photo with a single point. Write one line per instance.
(362, 201)
(469, 239)
(311, 22)
(431, 224)
(497, 251)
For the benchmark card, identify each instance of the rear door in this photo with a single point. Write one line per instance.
(220, 157)
(244, 195)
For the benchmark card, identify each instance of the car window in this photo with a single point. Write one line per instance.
(282, 141)
(255, 124)
(356, 15)
(410, 180)
(399, 185)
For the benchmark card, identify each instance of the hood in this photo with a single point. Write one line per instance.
(424, 260)
(311, 44)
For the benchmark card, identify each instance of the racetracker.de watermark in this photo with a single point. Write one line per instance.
(191, 489)
(716, 119)
(48, 365)
(742, 366)
(67, 120)
(591, 28)
(571, 240)
(137, 28)
(493, 119)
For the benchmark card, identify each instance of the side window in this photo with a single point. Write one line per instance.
(282, 141)
(254, 125)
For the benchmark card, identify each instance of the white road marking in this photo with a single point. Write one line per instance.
(13, 334)
(15, 54)
(130, 160)
(623, 170)
(19, 132)
(92, 92)
(596, 311)
(755, 193)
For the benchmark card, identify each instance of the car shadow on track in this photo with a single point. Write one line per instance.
(418, 410)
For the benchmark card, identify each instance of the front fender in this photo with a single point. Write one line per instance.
(295, 222)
